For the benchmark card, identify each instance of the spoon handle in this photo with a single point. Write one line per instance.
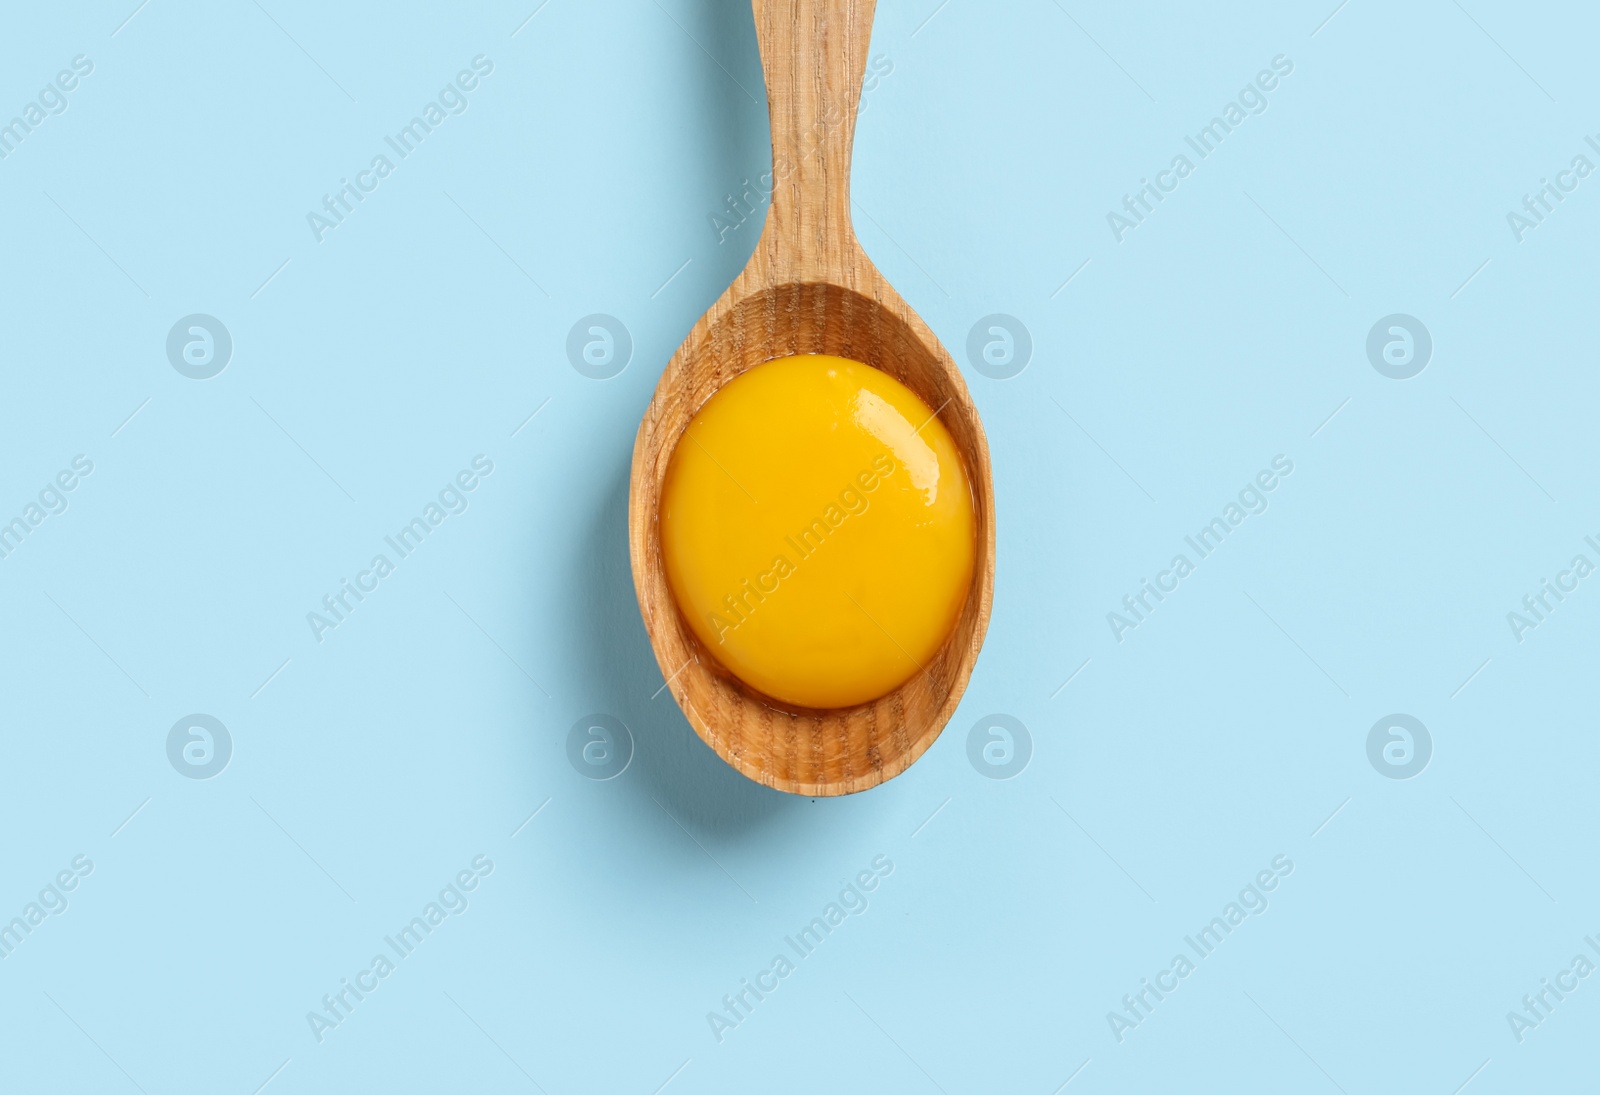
(814, 53)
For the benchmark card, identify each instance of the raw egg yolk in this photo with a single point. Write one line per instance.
(817, 529)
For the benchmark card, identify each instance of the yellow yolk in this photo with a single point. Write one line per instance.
(817, 529)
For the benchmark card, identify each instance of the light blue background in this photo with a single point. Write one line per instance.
(1225, 730)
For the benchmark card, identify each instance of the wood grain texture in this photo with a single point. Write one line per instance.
(808, 289)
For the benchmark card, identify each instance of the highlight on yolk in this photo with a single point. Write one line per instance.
(818, 531)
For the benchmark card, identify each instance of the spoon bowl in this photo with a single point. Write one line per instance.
(808, 289)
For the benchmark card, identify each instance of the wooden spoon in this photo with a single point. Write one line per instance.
(808, 289)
